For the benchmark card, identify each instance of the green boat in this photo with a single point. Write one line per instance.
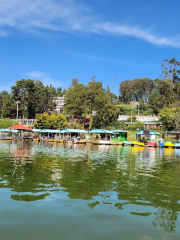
(126, 143)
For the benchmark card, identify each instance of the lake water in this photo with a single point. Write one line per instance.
(56, 191)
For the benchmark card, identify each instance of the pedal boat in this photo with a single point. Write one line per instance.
(169, 144)
(135, 143)
(151, 144)
(177, 145)
(126, 143)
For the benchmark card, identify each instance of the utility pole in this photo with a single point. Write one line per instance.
(131, 111)
(17, 102)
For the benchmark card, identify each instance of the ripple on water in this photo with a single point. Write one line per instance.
(103, 191)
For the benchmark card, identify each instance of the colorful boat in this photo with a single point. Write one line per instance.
(161, 144)
(36, 139)
(177, 145)
(79, 142)
(5, 138)
(52, 140)
(60, 141)
(169, 144)
(135, 143)
(126, 143)
(151, 144)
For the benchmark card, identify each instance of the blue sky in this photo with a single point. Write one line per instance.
(57, 40)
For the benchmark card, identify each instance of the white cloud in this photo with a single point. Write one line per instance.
(134, 31)
(99, 58)
(66, 15)
(45, 79)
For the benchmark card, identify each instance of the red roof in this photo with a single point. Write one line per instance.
(20, 127)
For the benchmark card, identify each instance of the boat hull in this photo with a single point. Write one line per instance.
(169, 145)
(137, 144)
(151, 144)
(126, 143)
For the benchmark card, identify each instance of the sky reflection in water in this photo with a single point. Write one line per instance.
(88, 192)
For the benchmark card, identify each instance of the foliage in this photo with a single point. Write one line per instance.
(139, 88)
(75, 125)
(98, 105)
(7, 122)
(74, 99)
(33, 97)
(133, 119)
(50, 121)
(156, 102)
(91, 100)
(170, 117)
(136, 126)
(9, 109)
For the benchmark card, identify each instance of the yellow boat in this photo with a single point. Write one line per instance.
(135, 143)
(60, 141)
(36, 139)
(168, 144)
(6, 138)
(52, 140)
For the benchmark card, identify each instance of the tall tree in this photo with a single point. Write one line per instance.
(125, 91)
(3, 96)
(75, 100)
(24, 91)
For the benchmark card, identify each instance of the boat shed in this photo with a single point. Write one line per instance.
(176, 134)
(104, 134)
(50, 133)
(72, 132)
(120, 135)
(7, 130)
(36, 130)
(149, 135)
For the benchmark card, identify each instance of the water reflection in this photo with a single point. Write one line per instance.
(142, 182)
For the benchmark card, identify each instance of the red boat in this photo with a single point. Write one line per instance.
(151, 144)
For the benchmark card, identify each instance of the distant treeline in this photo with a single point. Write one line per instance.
(92, 101)
(32, 98)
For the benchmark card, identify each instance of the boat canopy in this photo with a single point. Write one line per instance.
(100, 131)
(119, 131)
(7, 130)
(49, 131)
(36, 130)
(73, 131)
(173, 132)
(147, 132)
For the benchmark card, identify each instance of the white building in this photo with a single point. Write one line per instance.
(123, 118)
(59, 103)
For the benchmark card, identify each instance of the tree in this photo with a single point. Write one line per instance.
(51, 121)
(7, 122)
(156, 102)
(75, 99)
(24, 91)
(59, 92)
(167, 117)
(9, 108)
(44, 98)
(3, 96)
(125, 90)
(95, 95)
(74, 82)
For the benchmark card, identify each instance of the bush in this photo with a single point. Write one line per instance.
(51, 121)
(7, 122)
(75, 125)
(136, 126)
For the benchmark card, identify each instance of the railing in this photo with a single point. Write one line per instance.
(140, 118)
(26, 122)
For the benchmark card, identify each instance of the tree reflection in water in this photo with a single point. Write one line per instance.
(116, 177)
